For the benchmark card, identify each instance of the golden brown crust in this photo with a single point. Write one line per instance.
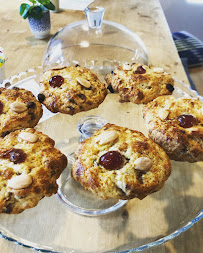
(180, 143)
(43, 164)
(11, 120)
(72, 97)
(140, 84)
(126, 182)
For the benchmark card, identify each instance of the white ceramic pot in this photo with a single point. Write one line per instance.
(40, 27)
(56, 3)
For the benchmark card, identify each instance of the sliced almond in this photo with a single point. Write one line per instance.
(143, 163)
(83, 82)
(28, 137)
(158, 70)
(126, 67)
(121, 183)
(107, 137)
(163, 113)
(18, 107)
(20, 182)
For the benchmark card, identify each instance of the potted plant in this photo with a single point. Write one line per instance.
(38, 16)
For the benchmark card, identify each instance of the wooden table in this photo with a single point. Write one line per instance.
(144, 17)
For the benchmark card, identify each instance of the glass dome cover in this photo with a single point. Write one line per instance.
(99, 45)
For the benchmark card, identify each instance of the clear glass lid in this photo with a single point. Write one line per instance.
(94, 43)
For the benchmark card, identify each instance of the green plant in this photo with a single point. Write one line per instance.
(35, 10)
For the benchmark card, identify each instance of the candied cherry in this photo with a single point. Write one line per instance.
(111, 160)
(56, 81)
(17, 156)
(187, 120)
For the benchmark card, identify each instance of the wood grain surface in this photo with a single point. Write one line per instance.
(146, 18)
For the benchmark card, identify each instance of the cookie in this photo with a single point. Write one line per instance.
(71, 90)
(120, 163)
(177, 126)
(18, 109)
(139, 83)
(29, 167)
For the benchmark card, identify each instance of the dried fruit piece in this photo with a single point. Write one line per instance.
(187, 120)
(1, 107)
(28, 137)
(17, 156)
(143, 163)
(56, 81)
(140, 70)
(170, 87)
(31, 105)
(107, 137)
(14, 155)
(110, 88)
(82, 96)
(18, 107)
(41, 97)
(163, 113)
(111, 160)
(83, 82)
(20, 182)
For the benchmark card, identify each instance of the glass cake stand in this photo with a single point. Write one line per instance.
(135, 225)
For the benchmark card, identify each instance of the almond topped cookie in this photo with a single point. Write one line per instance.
(139, 83)
(117, 162)
(177, 126)
(18, 109)
(71, 90)
(29, 168)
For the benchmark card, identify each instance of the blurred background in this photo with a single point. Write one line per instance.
(184, 15)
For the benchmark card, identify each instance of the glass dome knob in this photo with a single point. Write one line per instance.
(94, 16)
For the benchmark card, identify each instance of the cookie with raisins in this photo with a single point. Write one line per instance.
(177, 126)
(71, 90)
(139, 83)
(18, 109)
(29, 168)
(120, 163)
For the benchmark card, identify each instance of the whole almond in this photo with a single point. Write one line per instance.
(126, 67)
(20, 182)
(18, 107)
(163, 113)
(107, 137)
(158, 70)
(83, 82)
(28, 137)
(143, 163)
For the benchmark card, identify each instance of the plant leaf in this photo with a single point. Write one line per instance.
(43, 2)
(35, 12)
(24, 9)
(50, 6)
(33, 1)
